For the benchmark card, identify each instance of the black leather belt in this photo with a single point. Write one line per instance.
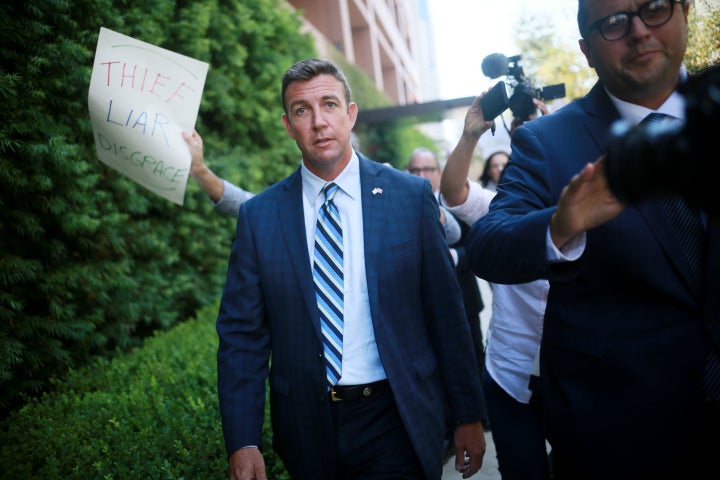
(340, 393)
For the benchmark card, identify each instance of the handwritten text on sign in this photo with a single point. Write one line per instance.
(141, 99)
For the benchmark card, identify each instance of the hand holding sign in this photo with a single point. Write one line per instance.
(141, 98)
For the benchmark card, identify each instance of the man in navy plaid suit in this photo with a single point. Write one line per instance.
(407, 357)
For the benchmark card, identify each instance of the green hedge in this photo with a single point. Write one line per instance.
(149, 414)
(90, 262)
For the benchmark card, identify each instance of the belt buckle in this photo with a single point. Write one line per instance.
(333, 395)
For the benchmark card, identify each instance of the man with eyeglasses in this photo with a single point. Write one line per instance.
(630, 328)
(424, 163)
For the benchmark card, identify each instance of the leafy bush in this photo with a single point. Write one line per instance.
(149, 414)
(91, 262)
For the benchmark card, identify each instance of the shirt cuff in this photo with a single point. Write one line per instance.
(569, 253)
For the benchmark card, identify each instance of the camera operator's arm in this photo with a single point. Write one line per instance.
(586, 202)
(454, 185)
(208, 181)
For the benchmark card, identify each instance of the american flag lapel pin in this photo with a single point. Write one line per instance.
(377, 191)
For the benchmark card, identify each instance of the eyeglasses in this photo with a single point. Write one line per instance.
(419, 170)
(653, 14)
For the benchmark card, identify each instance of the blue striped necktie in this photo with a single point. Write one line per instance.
(691, 233)
(328, 277)
(690, 230)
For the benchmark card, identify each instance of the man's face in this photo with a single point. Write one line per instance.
(641, 67)
(320, 122)
(423, 164)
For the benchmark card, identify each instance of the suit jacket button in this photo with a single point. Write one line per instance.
(367, 391)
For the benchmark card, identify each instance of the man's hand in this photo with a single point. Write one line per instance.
(206, 178)
(247, 464)
(453, 184)
(586, 202)
(475, 124)
(469, 448)
(195, 144)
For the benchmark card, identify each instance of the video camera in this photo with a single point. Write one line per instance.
(646, 161)
(520, 102)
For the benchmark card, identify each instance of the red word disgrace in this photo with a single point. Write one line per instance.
(141, 121)
(127, 76)
(143, 161)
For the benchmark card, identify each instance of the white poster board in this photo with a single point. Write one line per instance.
(141, 98)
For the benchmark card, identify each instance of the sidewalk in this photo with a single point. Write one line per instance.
(489, 469)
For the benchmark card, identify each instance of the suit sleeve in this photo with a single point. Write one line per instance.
(507, 245)
(447, 323)
(244, 344)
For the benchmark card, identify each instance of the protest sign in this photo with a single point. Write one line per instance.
(141, 98)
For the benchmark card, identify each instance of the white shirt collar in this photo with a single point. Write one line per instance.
(634, 114)
(348, 180)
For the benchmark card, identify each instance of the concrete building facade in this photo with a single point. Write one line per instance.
(390, 40)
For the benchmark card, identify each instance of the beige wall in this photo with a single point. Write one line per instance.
(376, 35)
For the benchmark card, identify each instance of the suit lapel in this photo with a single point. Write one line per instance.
(712, 272)
(375, 195)
(290, 211)
(657, 220)
(601, 112)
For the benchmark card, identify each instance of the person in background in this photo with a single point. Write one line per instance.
(423, 162)
(494, 165)
(402, 356)
(514, 331)
(631, 332)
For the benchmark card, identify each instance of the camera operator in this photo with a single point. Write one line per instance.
(648, 161)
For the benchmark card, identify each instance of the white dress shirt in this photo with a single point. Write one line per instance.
(360, 357)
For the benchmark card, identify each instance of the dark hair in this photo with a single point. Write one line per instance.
(485, 177)
(311, 68)
(582, 18)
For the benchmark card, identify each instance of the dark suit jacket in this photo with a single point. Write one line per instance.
(472, 297)
(268, 309)
(626, 331)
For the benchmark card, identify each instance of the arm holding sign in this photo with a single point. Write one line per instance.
(225, 196)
